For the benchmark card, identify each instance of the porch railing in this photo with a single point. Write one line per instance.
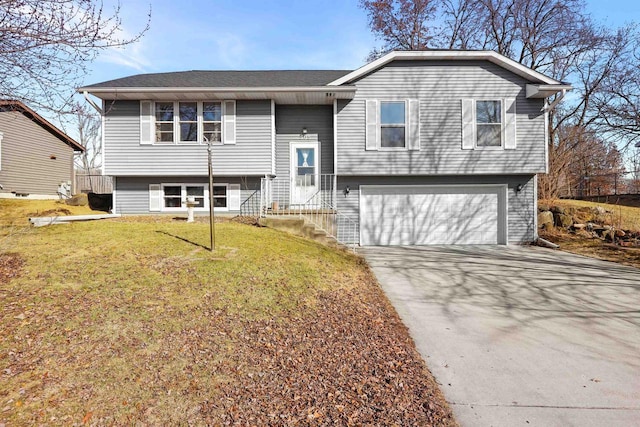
(278, 198)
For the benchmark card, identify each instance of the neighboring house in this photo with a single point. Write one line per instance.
(433, 147)
(36, 158)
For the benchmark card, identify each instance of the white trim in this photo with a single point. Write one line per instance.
(102, 140)
(405, 124)
(449, 55)
(335, 137)
(113, 193)
(502, 190)
(535, 207)
(183, 188)
(229, 90)
(546, 137)
(273, 136)
(502, 125)
(293, 164)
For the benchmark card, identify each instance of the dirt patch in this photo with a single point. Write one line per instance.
(583, 243)
(10, 267)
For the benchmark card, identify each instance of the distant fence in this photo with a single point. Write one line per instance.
(100, 184)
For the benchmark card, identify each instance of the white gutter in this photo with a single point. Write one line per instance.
(90, 101)
(555, 102)
(328, 89)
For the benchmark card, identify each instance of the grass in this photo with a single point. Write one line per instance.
(133, 320)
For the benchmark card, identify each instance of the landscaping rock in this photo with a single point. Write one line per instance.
(620, 233)
(78, 200)
(545, 219)
(562, 220)
(579, 226)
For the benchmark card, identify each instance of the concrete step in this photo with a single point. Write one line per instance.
(299, 227)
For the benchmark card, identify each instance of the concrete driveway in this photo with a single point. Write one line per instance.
(521, 335)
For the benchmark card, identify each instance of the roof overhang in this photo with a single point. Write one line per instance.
(15, 105)
(281, 95)
(448, 55)
(545, 91)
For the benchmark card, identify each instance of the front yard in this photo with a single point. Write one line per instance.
(133, 321)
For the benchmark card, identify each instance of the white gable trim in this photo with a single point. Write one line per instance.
(449, 55)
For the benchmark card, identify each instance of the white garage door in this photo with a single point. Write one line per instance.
(430, 215)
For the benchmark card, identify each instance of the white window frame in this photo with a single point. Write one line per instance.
(177, 139)
(405, 125)
(183, 196)
(475, 124)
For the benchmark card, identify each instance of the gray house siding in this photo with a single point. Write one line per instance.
(440, 88)
(290, 119)
(124, 156)
(132, 193)
(32, 160)
(521, 209)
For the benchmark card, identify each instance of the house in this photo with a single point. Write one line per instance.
(36, 158)
(430, 147)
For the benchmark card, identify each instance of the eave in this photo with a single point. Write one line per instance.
(281, 95)
(545, 91)
(448, 55)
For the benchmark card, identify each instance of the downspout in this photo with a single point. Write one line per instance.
(555, 102)
(90, 101)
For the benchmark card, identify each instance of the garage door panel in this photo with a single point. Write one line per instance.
(423, 215)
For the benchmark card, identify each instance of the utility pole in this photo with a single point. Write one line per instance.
(212, 230)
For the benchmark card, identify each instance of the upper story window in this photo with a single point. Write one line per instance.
(187, 122)
(164, 121)
(392, 124)
(212, 121)
(488, 124)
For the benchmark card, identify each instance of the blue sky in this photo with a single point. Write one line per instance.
(263, 34)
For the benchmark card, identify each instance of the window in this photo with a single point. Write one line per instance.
(488, 124)
(212, 121)
(175, 196)
(392, 124)
(164, 121)
(197, 192)
(187, 122)
(219, 196)
(172, 196)
(188, 117)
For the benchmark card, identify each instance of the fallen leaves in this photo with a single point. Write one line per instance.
(10, 267)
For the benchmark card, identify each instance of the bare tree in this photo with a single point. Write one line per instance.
(46, 46)
(88, 126)
(401, 24)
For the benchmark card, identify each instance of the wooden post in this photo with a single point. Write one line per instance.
(212, 232)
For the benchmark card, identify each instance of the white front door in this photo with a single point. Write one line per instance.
(305, 171)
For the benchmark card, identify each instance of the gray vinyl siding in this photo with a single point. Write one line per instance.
(124, 156)
(26, 159)
(440, 87)
(290, 119)
(520, 206)
(132, 193)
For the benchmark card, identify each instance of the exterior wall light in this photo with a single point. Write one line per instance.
(347, 190)
(518, 188)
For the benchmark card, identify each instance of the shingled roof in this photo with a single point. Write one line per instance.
(226, 79)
